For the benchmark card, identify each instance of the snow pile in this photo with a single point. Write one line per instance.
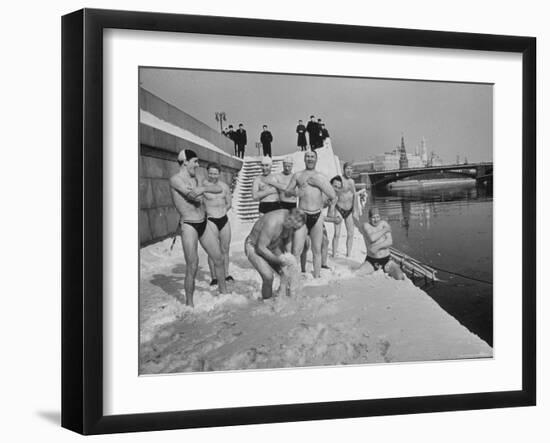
(340, 318)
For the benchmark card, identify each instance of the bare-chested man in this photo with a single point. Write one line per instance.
(331, 217)
(310, 185)
(217, 205)
(344, 205)
(281, 181)
(188, 198)
(378, 238)
(263, 189)
(269, 239)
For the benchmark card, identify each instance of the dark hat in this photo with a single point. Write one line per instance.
(186, 154)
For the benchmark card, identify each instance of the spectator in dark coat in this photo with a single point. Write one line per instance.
(266, 138)
(240, 140)
(324, 133)
(301, 131)
(313, 132)
(319, 133)
(230, 133)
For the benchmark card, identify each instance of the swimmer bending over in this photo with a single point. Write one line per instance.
(269, 239)
(188, 199)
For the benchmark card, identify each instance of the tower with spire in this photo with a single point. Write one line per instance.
(424, 151)
(403, 160)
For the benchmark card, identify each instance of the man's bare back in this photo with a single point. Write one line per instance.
(271, 226)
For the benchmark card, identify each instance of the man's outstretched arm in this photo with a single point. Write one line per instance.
(321, 182)
(208, 187)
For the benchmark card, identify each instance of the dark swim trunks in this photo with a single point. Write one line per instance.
(378, 263)
(219, 221)
(288, 205)
(311, 219)
(266, 207)
(344, 212)
(200, 227)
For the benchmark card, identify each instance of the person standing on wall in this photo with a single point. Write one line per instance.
(231, 135)
(301, 131)
(313, 132)
(319, 138)
(240, 140)
(266, 138)
(324, 133)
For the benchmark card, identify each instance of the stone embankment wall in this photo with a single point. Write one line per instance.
(159, 148)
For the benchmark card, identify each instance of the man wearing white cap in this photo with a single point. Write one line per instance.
(281, 181)
(263, 189)
(187, 196)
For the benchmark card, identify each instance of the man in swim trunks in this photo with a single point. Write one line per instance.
(332, 216)
(280, 181)
(188, 199)
(217, 205)
(378, 238)
(344, 205)
(263, 189)
(269, 239)
(310, 186)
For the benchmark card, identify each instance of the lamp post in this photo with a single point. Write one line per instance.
(220, 117)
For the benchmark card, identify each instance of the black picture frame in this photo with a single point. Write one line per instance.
(82, 220)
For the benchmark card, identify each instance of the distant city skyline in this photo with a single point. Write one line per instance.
(364, 116)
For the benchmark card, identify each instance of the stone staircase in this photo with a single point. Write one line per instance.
(245, 207)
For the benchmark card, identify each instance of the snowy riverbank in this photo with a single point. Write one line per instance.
(337, 319)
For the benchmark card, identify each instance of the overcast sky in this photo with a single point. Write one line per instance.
(363, 116)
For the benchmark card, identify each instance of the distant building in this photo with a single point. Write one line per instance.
(363, 166)
(424, 151)
(435, 160)
(386, 161)
(403, 160)
(399, 158)
(415, 161)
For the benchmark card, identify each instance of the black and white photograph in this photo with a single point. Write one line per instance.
(292, 221)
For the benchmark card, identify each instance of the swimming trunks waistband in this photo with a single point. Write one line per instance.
(266, 207)
(200, 227)
(288, 205)
(220, 222)
(378, 263)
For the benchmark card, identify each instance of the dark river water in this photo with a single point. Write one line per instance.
(448, 226)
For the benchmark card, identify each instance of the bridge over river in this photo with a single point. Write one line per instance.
(481, 172)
